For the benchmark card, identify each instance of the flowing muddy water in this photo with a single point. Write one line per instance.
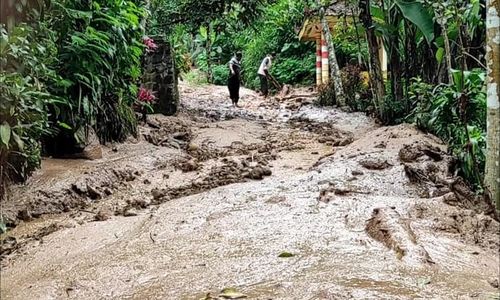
(278, 199)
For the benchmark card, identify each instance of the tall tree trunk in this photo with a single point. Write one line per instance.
(358, 39)
(447, 51)
(396, 71)
(332, 60)
(209, 54)
(492, 174)
(376, 79)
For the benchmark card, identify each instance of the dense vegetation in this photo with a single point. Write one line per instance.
(67, 68)
(443, 95)
(255, 28)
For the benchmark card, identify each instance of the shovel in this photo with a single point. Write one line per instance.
(283, 90)
(276, 84)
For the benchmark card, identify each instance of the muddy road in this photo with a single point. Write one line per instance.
(275, 200)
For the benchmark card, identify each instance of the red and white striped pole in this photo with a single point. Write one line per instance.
(318, 62)
(325, 71)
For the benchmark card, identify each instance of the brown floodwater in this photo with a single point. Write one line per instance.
(314, 207)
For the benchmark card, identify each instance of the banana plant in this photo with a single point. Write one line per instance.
(391, 17)
(205, 39)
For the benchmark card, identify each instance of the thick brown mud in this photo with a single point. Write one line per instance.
(275, 200)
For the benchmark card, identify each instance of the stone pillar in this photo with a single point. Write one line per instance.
(325, 64)
(160, 77)
(318, 62)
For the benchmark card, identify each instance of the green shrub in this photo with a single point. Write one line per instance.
(457, 114)
(23, 102)
(358, 97)
(293, 70)
(196, 77)
(220, 73)
(347, 45)
(357, 94)
(326, 95)
(74, 67)
(99, 59)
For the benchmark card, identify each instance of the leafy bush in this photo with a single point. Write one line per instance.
(296, 70)
(457, 114)
(99, 59)
(326, 95)
(72, 69)
(349, 44)
(220, 73)
(356, 91)
(196, 76)
(24, 100)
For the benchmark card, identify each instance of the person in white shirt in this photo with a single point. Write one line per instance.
(234, 80)
(263, 72)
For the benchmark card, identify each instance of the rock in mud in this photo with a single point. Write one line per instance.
(102, 215)
(494, 283)
(415, 175)
(80, 187)
(93, 149)
(357, 173)
(182, 136)
(138, 203)
(345, 142)
(258, 173)
(8, 245)
(188, 165)
(129, 213)
(159, 194)
(192, 147)
(388, 227)
(93, 193)
(374, 164)
(24, 215)
(411, 153)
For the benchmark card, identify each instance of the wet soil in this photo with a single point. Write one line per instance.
(276, 200)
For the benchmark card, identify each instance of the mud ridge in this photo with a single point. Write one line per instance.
(388, 227)
(77, 194)
(231, 171)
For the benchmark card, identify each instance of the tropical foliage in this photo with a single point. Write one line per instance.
(67, 68)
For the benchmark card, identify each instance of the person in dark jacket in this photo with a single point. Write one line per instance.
(234, 80)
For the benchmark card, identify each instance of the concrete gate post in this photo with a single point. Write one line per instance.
(161, 78)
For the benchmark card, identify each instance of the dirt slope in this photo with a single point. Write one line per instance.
(212, 198)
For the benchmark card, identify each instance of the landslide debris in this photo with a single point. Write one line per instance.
(231, 170)
(388, 227)
(76, 193)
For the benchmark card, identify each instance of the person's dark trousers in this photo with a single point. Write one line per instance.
(233, 84)
(264, 88)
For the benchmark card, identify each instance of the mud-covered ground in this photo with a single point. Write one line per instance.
(278, 199)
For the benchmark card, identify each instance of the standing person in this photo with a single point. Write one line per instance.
(233, 82)
(263, 72)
